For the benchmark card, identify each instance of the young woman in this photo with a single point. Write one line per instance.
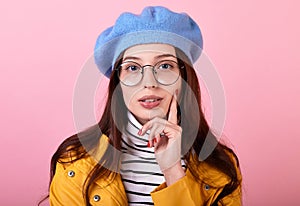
(146, 148)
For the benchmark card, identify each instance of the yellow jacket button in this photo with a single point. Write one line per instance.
(71, 173)
(206, 187)
(96, 198)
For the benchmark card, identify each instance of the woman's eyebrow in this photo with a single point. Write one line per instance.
(164, 55)
(156, 57)
(131, 58)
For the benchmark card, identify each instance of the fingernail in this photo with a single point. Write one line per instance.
(148, 145)
(155, 141)
(140, 132)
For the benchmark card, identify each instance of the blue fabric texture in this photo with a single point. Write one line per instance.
(154, 25)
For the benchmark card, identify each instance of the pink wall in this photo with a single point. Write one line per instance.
(253, 45)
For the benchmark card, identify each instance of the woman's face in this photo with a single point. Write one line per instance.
(149, 98)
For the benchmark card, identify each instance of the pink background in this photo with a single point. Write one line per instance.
(253, 44)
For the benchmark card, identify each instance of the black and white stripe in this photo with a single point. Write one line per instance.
(139, 170)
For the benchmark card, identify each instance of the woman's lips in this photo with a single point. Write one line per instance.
(150, 101)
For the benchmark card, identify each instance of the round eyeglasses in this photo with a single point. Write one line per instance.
(165, 72)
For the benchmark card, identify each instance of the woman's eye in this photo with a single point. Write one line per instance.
(132, 68)
(165, 66)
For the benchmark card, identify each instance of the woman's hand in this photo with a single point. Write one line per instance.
(165, 136)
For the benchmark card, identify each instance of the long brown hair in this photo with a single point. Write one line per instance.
(219, 158)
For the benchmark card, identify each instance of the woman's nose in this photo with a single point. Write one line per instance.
(149, 80)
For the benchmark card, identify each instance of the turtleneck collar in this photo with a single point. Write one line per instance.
(134, 144)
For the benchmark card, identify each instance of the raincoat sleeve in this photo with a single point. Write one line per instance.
(188, 191)
(192, 192)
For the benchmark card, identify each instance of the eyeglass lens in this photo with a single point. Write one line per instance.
(165, 72)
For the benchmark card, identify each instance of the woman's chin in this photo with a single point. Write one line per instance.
(144, 116)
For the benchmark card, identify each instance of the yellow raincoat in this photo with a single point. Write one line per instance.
(66, 187)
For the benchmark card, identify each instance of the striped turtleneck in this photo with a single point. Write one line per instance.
(139, 170)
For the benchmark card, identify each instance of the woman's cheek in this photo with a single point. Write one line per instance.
(171, 89)
(128, 94)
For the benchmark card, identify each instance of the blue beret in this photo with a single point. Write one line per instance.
(154, 25)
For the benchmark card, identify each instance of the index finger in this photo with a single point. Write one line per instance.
(173, 110)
